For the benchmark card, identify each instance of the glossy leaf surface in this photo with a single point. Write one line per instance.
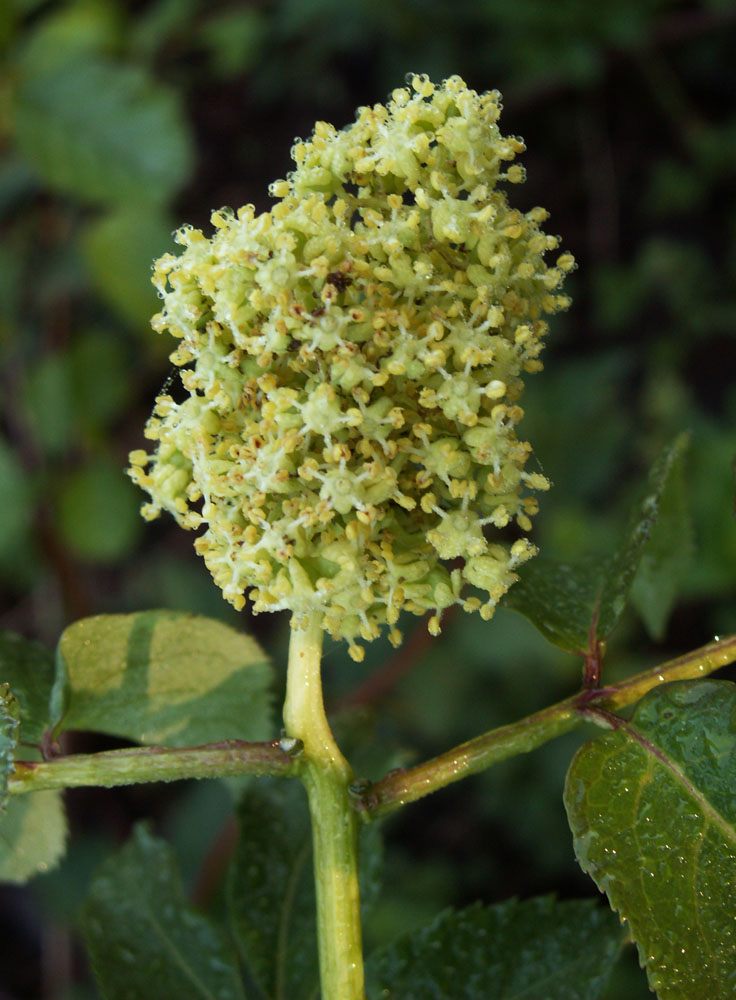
(9, 712)
(271, 888)
(271, 891)
(563, 600)
(28, 667)
(667, 556)
(653, 813)
(162, 677)
(558, 599)
(33, 833)
(644, 518)
(532, 949)
(145, 940)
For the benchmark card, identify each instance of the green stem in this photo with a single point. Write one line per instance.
(327, 777)
(402, 786)
(141, 764)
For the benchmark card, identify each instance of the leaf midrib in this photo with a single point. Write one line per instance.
(709, 811)
(171, 947)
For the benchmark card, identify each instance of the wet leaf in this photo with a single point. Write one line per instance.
(644, 517)
(559, 599)
(33, 833)
(162, 677)
(271, 888)
(9, 712)
(28, 667)
(652, 809)
(562, 600)
(271, 891)
(145, 941)
(537, 948)
(667, 555)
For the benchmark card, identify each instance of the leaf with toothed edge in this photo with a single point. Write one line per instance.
(32, 827)
(652, 810)
(145, 941)
(271, 889)
(9, 712)
(563, 600)
(538, 948)
(667, 555)
(559, 599)
(33, 831)
(627, 560)
(28, 667)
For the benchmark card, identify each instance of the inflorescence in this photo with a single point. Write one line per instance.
(353, 362)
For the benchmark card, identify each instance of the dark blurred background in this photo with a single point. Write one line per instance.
(121, 120)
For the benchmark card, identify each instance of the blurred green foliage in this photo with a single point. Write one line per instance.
(119, 120)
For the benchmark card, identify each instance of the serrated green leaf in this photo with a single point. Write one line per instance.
(28, 667)
(118, 249)
(563, 600)
(666, 558)
(9, 712)
(559, 599)
(540, 948)
(145, 941)
(162, 677)
(101, 131)
(271, 889)
(626, 561)
(33, 833)
(97, 512)
(652, 809)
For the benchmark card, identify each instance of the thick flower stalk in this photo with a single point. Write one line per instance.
(353, 360)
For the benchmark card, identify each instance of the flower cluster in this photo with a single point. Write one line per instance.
(353, 363)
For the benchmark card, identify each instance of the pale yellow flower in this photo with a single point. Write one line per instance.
(353, 361)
